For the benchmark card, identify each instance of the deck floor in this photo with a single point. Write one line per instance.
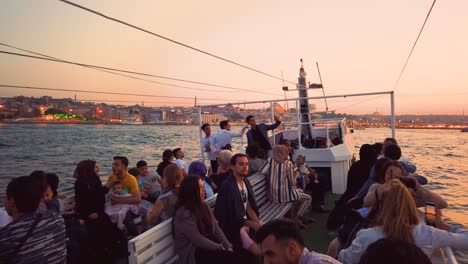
(316, 235)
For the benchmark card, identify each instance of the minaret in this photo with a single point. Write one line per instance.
(304, 104)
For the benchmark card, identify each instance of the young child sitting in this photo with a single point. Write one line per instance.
(304, 173)
(117, 212)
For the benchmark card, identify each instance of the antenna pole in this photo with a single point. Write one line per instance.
(323, 90)
(285, 98)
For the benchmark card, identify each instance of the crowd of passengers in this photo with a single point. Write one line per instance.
(377, 218)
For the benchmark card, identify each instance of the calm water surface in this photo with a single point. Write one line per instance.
(440, 155)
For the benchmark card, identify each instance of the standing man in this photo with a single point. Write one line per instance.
(179, 155)
(258, 133)
(222, 140)
(207, 142)
(130, 185)
(235, 205)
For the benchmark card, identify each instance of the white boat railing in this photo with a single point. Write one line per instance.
(449, 256)
(298, 114)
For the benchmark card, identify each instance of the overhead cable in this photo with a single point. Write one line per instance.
(131, 72)
(115, 73)
(101, 92)
(173, 41)
(414, 45)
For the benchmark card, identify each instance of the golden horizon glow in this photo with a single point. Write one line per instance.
(360, 46)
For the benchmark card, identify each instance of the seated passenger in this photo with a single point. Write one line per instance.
(100, 235)
(167, 158)
(164, 206)
(235, 205)
(392, 152)
(32, 236)
(199, 169)
(398, 220)
(53, 181)
(281, 242)
(151, 181)
(47, 195)
(304, 174)
(224, 169)
(358, 174)
(198, 238)
(129, 185)
(255, 162)
(179, 156)
(394, 169)
(387, 251)
(281, 189)
(117, 212)
(405, 162)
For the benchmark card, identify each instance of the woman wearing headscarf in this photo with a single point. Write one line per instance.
(199, 169)
(89, 206)
(280, 171)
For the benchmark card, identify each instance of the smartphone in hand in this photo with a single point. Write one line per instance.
(430, 214)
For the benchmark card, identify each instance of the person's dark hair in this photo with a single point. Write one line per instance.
(378, 147)
(53, 181)
(174, 152)
(252, 151)
(392, 152)
(123, 159)
(26, 192)
(367, 153)
(189, 197)
(134, 171)
(247, 119)
(167, 154)
(281, 229)
(380, 174)
(387, 251)
(41, 178)
(204, 126)
(378, 167)
(223, 124)
(85, 171)
(392, 140)
(235, 157)
(141, 163)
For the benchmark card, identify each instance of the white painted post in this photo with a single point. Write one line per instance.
(392, 107)
(200, 123)
(272, 118)
(298, 116)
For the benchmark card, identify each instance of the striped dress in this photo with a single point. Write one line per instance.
(282, 181)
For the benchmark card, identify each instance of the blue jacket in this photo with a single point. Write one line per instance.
(264, 128)
(229, 208)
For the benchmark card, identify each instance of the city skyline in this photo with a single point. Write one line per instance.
(361, 47)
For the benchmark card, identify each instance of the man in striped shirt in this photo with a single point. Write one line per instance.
(32, 236)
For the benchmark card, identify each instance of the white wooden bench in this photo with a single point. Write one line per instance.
(157, 244)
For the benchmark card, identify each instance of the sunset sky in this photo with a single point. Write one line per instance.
(361, 46)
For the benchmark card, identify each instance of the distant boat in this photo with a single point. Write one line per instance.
(134, 118)
(465, 129)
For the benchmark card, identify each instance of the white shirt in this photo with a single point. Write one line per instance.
(222, 138)
(426, 237)
(209, 141)
(181, 164)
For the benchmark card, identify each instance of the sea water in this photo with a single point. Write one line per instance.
(440, 155)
